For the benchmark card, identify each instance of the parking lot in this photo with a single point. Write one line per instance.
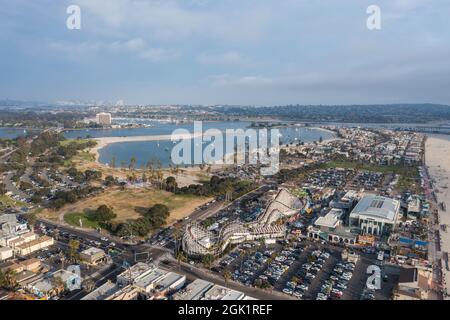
(305, 270)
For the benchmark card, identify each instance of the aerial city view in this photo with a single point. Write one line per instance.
(224, 150)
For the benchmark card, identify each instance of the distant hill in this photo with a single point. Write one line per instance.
(388, 113)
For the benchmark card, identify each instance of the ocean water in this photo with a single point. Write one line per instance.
(12, 133)
(156, 129)
(144, 151)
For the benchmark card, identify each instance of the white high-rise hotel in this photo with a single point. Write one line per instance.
(103, 118)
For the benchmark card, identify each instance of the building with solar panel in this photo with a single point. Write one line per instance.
(375, 215)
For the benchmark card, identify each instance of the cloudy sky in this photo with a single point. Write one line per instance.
(258, 52)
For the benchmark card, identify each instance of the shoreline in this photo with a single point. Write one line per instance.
(106, 141)
(438, 162)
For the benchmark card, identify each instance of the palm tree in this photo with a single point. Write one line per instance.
(31, 218)
(73, 250)
(226, 277)
(132, 163)
(159, 177)
(58, 284)
(208, 260)
(8, 280)
(88, 285)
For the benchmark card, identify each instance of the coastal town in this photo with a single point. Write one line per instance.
(208, 159)
(357, 215)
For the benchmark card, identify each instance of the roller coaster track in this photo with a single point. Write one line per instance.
(197, 240)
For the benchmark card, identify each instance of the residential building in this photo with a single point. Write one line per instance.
(104, 119)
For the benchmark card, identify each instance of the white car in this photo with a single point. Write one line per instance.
(287, 291)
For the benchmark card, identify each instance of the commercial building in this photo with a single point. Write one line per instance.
(13, 242)
(413, 284)
(10, 228)
(32, 264)
(194, 291)
(171, 282)
(93, 256)
(221, 293)
(147, 282)
(375, 215)
(103, 292)
(103, 118)
(5, 253)
(29, 247)
(134, 273)
(331, 228)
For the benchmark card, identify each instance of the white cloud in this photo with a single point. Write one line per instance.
(171, 19)
(157, 54)
(225, 58)
(136, 47)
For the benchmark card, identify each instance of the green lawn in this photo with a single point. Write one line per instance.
(69, 141)
(7, 201)
(74, 220)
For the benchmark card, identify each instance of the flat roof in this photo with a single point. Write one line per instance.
(331, 219)
(150, 278)
(169, 279)
(34, 242)
(136, 271)
(373, 206)
(92, 251)
(221, 293)
(194, 290)
(101, 293)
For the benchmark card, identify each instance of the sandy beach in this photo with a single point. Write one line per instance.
(103, 142)
(438, 161)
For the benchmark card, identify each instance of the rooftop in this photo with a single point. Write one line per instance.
(221, 293)
(331, 219)
(150, 278)
(136, 271)
(376, 207)
(102, 292)
(93, 251)
(194, 290)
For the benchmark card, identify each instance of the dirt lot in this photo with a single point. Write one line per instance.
(128, 204)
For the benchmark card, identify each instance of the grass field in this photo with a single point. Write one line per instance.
(69, 141)
(74, 220)
(128, 204)
(7, 201)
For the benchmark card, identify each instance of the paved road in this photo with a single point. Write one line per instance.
(192, 272)
(11, 188)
